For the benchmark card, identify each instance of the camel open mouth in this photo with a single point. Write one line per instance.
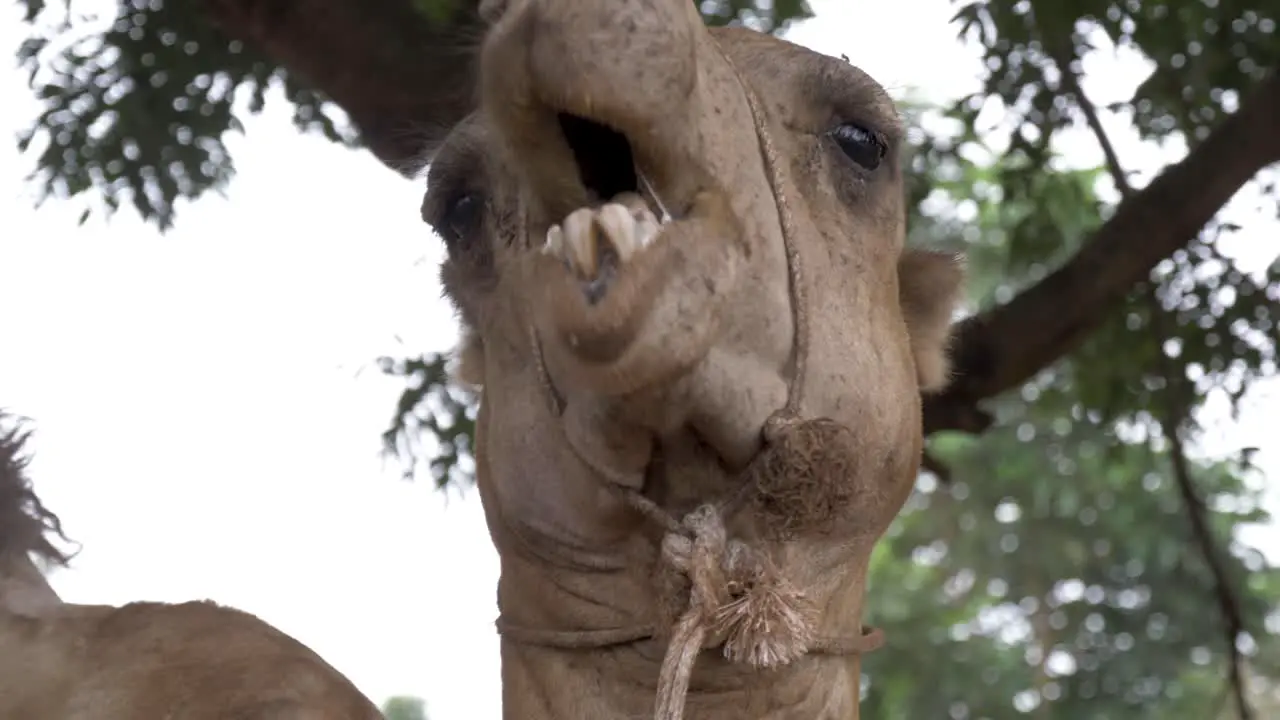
(607, 164)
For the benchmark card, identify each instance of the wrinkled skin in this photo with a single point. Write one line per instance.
(140, 661)
(661, 352)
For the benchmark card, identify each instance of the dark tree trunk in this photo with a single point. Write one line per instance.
(403, 79)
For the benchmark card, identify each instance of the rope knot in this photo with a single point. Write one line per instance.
(767, 622)
(778, 424)
(737, 599)
(738, 594)
(697, 553)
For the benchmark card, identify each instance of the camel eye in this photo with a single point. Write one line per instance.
(460, 219)
(865, 147)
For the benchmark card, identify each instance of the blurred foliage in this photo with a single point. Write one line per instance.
(1057, 569)
(1057, 566)
(136, 107)
(405, 707)
(764, 15)
(434, 422)
(1055, 574)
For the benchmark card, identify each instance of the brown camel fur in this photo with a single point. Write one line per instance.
(141, 661)
(678, 256)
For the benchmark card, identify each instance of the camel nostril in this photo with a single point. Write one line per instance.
(605, 161)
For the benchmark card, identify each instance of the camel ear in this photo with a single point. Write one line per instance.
(930, 284)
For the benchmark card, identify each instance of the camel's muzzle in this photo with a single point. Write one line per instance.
(594, 100)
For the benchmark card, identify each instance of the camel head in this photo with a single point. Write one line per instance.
(700, 343)
(194, 660)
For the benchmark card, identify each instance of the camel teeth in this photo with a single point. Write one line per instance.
(628, 229)
(581, 246)
(633, 202)
(618, 227)
(590, 237)
(555, 241)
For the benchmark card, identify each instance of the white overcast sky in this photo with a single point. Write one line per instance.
(209, 414)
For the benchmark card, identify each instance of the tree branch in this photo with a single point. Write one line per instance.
(403, 78)
(1174, 419)
(1228, 602)
(1003, 347)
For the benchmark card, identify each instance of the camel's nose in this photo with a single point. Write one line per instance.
(623, 65)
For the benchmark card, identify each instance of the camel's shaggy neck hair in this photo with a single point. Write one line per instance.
(25, 523)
